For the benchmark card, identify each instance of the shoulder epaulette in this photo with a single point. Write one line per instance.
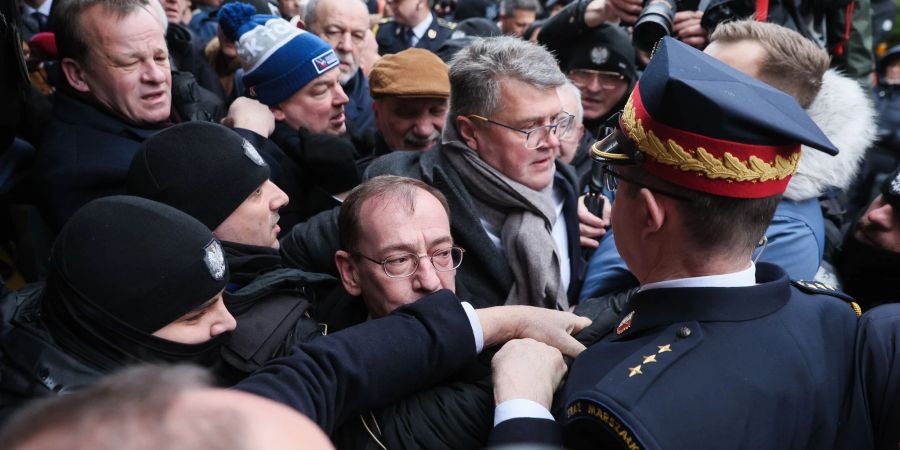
(384, 20)
(817, 287)
(444, 23)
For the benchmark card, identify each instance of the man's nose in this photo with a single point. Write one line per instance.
(426, 277)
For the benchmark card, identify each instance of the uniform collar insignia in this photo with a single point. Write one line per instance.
(625, 324)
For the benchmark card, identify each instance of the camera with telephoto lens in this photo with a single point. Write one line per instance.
(655, 21)
(658, 16)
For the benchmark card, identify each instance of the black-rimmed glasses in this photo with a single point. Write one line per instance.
(406, 264)
(536, 136)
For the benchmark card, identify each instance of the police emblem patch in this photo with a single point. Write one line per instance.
(251, 153)
(599, 55)
(325, 61)
(625, 324)
(215, 260)
(895, 185)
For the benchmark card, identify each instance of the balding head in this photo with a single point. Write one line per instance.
(343, 25)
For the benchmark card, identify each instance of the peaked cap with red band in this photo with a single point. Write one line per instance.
(698, 123)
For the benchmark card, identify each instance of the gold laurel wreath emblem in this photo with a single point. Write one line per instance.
(728, 167)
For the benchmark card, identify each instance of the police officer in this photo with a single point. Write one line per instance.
(413, 25)
(217, 177)
(130, 280)
(713, 351)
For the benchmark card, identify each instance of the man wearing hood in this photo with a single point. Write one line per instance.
(130, 280)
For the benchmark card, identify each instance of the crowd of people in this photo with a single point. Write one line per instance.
(406, 224)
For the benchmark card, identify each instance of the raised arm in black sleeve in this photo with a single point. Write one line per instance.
(372, 364)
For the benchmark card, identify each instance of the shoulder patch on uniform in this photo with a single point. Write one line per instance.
(817, 287)
(588, 410)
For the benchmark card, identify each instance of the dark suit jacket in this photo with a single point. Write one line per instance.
(391, 37)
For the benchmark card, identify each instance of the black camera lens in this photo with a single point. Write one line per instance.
(653, 24)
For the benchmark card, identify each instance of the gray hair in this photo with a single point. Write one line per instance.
(509, 7)
(570, 89)
(476, 71)
(310, 15)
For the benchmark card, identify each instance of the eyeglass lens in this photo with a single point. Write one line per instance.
(536, 137)
(404, 265)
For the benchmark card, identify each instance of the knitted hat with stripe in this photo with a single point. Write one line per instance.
(278, 58)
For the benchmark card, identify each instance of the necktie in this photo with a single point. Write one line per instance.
(40, 19)
(410, 38)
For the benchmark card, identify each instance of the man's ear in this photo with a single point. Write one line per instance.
(277, 113)
(654, 211)
(349, 272)
(74, 75)
(467, 132)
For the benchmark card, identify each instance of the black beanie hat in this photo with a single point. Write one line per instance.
(606, 48)
(201, 168)
(475, 27)
(139, 261)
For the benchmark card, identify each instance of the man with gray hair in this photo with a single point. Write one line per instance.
(343, 25)
(574, 147)
(512, 204)
(517, 15)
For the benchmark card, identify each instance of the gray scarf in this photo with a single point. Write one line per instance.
(525, 218)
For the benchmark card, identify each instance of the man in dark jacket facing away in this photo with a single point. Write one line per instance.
(707, 324)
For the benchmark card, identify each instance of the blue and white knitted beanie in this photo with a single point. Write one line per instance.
(277, 57)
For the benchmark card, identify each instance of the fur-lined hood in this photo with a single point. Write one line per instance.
(844, 112)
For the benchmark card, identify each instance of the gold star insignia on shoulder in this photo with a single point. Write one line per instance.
(664, 348)
(636, 370)
(649, 359)
(432, 34)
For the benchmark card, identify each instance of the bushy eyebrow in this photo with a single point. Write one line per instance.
(406, 247)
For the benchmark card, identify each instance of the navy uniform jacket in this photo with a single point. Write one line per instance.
(760, 367)
(391, 37)
(878, 359)
(370, 365)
